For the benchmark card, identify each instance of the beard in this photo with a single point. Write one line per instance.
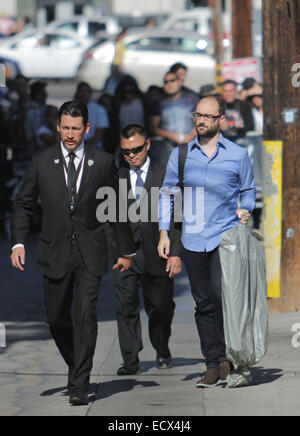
(207, 132)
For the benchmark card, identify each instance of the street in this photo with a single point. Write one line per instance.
(33, 375)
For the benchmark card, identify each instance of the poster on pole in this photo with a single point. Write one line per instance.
(240, 69)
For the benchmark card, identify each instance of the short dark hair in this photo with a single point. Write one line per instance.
(133, 129)
(170, 72)
(220, 100)
(75, 108)
(230, 82)
(83, 85)
(37, 88)
(175, 67)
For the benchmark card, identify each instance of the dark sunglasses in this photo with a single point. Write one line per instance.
(136, 150)
(171, 80)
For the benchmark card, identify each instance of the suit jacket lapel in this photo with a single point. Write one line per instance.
(124, 173)
(150, 179)
(58, 162)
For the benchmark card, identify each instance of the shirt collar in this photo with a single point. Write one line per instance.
(221, 142)
(79, 151)
(144, 168)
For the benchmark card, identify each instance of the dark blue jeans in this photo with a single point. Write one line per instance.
(205, 276)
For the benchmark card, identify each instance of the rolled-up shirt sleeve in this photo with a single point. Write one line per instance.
(247, 185)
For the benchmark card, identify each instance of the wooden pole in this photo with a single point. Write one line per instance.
(241, 28)
(282, 122)
(217, 27)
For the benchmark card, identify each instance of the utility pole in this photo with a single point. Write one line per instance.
(217, 27)
(282, 123)
(241, 28)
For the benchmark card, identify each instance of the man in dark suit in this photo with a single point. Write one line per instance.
(143, 178)
(72, 253)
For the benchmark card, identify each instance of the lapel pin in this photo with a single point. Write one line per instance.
(56, 161)
(90, 163)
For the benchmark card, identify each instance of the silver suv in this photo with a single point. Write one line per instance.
(87, 27)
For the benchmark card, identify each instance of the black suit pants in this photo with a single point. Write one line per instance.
(71, 305)
(205, 276)
(159, 306)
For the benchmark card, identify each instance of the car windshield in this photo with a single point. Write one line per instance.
(73, 26)
(181, 44)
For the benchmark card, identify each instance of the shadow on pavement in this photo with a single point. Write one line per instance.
(176, 362)
(112, 387)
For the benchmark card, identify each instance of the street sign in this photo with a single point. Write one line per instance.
(240, 69)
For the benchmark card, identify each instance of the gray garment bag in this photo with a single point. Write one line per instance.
(244, 296)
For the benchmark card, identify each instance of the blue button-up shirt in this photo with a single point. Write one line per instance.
(214, 188)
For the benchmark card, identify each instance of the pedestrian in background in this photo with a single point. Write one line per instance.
(239, 119)
(47, 134)
(35, 114)
(98, 118)
(171, 117)
(129, 103)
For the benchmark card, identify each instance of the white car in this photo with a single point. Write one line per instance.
(45, 54)
(199, 20)
(87, 27)
(149, 55)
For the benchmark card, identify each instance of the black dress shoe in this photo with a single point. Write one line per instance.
(79, 398)
(163, 362)
(126, 371)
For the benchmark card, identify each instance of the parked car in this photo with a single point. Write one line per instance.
(199, 20)
(45, 54)
(87, 27)
(148, 56)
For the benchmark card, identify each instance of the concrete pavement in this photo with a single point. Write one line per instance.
(33, 375)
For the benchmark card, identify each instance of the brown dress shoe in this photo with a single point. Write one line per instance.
(209, 379)
(226, 368)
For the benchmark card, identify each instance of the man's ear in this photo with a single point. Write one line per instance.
(87, 128)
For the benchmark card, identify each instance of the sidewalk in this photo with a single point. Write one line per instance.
(33, 375)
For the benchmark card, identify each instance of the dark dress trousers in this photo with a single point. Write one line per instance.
(149, 271)
(72, 252)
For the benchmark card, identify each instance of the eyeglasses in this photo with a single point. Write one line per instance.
(171, 80)
(207, 117)
(136, 150)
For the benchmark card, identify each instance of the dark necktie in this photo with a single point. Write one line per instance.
(72, 178)
(138, 185)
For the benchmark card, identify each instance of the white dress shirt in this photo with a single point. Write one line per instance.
(79, 155)
(133, 176)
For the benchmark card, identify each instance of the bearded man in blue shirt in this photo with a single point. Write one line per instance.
(218, 194)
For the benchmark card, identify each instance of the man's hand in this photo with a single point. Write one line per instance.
(243, 215)
(163, 247)
(18, 258)
(173, 266)
(123, 264)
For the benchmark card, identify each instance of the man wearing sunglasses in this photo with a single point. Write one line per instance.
(171, 117)
(141, 174)
(223, 172)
